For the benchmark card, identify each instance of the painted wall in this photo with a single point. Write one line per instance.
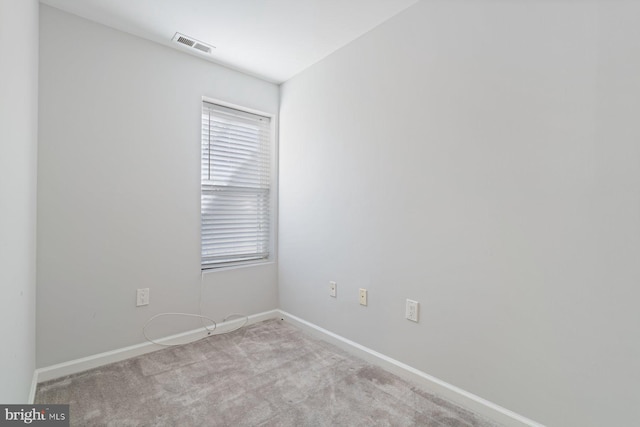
(482, 158)
(119, 195)
(18, 157)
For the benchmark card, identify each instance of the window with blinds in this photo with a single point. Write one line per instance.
(235, 186)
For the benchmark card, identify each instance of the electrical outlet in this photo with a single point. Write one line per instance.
(142, 297)
(333, 289)
(411, 310)
(363, 296)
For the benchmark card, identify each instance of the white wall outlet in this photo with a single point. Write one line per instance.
(363, 296)
(142, 297)
(333, 289)
(411, 310)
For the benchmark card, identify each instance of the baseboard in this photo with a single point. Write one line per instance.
(90, 362)
(32, 390)
(437, 386)
(443, 389)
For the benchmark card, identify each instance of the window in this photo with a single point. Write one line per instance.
(235, 189)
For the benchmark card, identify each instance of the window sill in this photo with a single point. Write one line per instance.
(238, 266)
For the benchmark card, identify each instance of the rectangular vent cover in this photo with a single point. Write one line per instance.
(192, 43)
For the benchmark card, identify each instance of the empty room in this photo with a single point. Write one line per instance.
(320, 213)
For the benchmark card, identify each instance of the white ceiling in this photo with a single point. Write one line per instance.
(271, 39)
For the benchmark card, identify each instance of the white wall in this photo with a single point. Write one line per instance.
(481, 157)
(118, 197)
(18, 147)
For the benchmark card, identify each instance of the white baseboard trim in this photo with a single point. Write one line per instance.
(437, 386)
(34, 385)
(443, 389)
(90, 362)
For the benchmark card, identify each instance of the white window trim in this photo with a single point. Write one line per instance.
(273, 194)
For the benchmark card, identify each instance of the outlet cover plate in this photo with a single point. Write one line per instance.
(363, 296)
(333, 289)
(411, 311)
(142, 297)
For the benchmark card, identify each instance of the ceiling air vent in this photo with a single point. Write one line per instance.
(192, 43)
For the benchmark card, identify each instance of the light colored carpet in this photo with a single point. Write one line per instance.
(267, 374)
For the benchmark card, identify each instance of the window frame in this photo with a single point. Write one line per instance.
(273, 187)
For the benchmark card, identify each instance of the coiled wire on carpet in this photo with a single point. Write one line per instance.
(202, 319)
(207, 328)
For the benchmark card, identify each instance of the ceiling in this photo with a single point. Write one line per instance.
(271, 39)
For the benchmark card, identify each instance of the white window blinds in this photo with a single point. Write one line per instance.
(235, 186)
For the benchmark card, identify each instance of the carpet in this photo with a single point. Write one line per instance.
(266, 374)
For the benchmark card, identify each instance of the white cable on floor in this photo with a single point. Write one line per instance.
(246, 320)
(144, 328)
(202, 319)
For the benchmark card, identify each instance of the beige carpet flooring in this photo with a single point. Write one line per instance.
(267, 374)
